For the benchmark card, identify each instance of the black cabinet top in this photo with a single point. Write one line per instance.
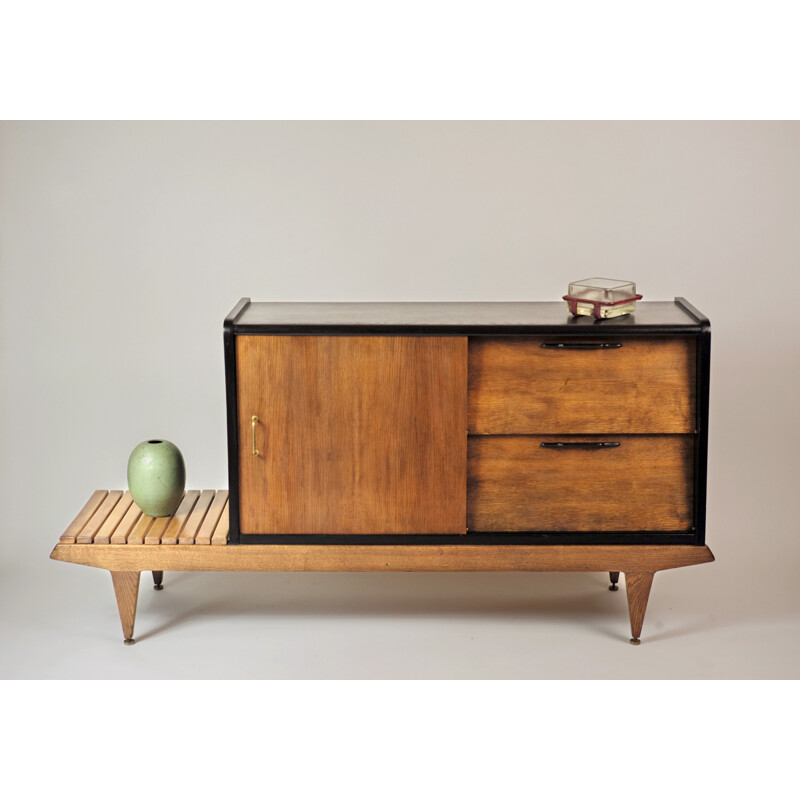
(665, 318)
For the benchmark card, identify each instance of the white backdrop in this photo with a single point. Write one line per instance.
(124, 245)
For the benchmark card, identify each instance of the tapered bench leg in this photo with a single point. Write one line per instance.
(614, 577)
(158, 580)
(638, 587)
(126, 588)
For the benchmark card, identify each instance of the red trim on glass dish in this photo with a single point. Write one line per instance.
(573, 303)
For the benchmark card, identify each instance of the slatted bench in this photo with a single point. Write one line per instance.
(111, 518)
(111, 532)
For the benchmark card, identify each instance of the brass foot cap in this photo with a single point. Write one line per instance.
(636, 641)
(158, 587)
(129, 641)
(613, 588)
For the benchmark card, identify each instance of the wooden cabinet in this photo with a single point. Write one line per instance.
(484, 423)
(394, 437)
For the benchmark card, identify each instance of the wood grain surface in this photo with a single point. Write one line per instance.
(220, 535)
(179, 518)
(84, 515)
(86, 536)
(156, 530)
(140, 530)
(637, 585)
(356, 434)
(126, 589)
(195, 520)
(218, 510)
(386, 558)
(645, 484)
(107, 529)
(645, 386)
(121, 532)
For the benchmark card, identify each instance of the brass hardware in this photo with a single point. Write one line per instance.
(254, 419)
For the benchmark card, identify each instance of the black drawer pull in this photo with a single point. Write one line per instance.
(580, 345)
(579, 445)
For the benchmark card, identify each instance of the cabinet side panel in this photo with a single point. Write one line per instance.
(355, 434)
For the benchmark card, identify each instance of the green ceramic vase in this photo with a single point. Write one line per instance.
(156, 477)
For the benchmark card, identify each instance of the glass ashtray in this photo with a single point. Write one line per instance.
(602, 298)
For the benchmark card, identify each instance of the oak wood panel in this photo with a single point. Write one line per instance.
(386, 558)
(218, 507)
(356, 434)
(645, 484)
(86, 536)
(83, 516)
(645, 386)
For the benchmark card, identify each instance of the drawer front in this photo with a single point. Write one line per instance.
(621, 483)
(535, 385)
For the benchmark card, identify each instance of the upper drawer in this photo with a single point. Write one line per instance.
(544, 385)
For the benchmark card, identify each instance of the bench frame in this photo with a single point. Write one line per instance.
(126, 561)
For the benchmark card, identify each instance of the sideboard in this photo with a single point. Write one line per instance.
(479, 423)
(448, 436)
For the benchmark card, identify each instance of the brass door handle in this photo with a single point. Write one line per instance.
(253, 420)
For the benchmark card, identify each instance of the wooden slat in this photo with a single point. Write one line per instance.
(387, 558)
(221, 531)
(86, 536)
(179, 518)
(212, 518)
(156, 530)
(84, 515)
(120, 535)
(196, 517)
(140, 529)
(107, 529)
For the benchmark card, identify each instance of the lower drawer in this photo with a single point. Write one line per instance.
(580, 483)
